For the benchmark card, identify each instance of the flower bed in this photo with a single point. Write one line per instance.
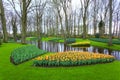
(80, 44)
(25, 53)
(72, 58)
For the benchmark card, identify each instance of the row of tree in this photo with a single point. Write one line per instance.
(57, 17)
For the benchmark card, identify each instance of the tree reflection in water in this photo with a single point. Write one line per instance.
(60, 47)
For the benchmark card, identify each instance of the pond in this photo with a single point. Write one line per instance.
(60, 47)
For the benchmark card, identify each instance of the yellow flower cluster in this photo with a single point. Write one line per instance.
(74, 56)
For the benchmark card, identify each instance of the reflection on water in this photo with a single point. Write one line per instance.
(60, 47)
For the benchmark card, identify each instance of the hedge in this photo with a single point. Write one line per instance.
(72, 58)
(25, 53)
(70, 40)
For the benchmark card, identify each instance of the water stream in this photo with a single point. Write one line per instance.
(60, 47)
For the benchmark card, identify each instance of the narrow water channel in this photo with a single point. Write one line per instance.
(59, 47)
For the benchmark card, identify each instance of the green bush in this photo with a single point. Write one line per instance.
(105, 40)
(97, 35)
(25, 53)
(71, 40)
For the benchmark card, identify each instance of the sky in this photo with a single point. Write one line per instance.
(75, 3)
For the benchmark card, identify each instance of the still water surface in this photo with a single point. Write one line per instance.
(60, 47)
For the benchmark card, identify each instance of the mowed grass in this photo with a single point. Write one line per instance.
(26, 71)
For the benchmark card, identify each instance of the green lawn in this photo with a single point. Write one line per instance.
(26, 71)
(100, 44)
(105, 45)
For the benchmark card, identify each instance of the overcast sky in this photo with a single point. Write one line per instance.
(75, 3)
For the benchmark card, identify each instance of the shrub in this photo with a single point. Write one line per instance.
(72, 58)
(97, 35)
(87, 43)
(70, 40)
(19, 36)
(25, 53)
(104, 37)
(114, 37)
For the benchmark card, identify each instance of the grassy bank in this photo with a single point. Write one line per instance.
(26, 71)
(93, 43)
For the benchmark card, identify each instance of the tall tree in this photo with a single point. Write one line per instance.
(58, 8)
(85, 5)
(66, 9)
(14, 27)
(24, 7)
(3, 21)
(110, 23)
(39, 10)
(95, 8)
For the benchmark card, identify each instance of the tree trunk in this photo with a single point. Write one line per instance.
(24, 22)
(84, 27)
(94, 20)
(114, 29)
(117, 28)
(0, 38)
(14, 26)
(3, 21)
(57, 30)
(74, 26)
(119, 32)
(110, 23)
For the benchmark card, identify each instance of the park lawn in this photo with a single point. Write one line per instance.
(47, 38)
(99, 44)
(26, 71)
(105, 45)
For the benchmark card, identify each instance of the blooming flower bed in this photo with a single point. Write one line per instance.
(72, 58)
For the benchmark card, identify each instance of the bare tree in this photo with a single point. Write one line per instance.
(110, 23)
(24, 7)
(3, 21)
(95, 8)
(58, 9)
(84, 5)
(14, 27)
(39, 10)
